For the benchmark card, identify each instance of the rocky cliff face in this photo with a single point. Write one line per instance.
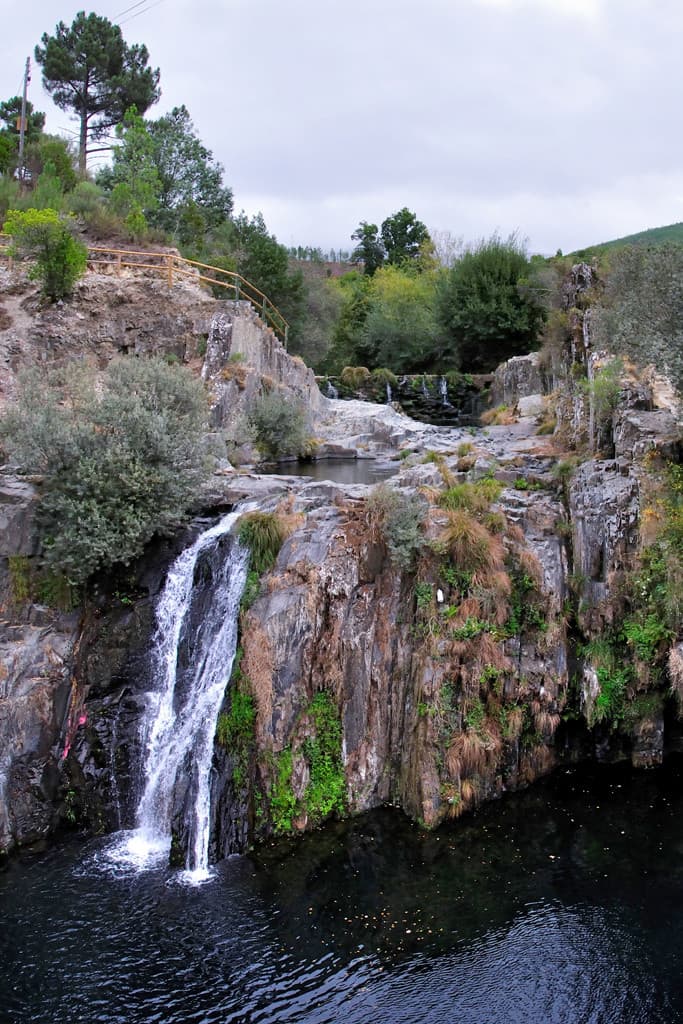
(433, 681)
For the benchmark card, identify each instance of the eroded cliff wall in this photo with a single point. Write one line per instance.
(433, 682)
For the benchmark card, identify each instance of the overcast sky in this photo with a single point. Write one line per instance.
(560, 119)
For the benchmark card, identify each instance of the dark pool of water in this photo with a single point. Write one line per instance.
(563, 904)
(339, 471)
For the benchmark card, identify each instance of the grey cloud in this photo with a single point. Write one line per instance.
(558, 119)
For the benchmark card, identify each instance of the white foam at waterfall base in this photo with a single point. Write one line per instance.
(178, 729)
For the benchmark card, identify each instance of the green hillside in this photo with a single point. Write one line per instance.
(653, 236)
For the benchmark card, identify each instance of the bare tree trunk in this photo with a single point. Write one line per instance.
(83, 146)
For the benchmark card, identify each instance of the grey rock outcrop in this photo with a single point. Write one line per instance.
(519, 377)
(604, 509)
(35, 693)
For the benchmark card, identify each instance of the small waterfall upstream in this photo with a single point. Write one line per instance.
(193, 652)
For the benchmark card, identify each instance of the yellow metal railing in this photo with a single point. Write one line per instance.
(172, 266)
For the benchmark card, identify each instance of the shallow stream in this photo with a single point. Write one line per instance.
(339, 471)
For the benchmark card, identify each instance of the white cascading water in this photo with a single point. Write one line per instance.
(179, 727)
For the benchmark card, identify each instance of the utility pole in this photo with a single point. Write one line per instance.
(22, 126)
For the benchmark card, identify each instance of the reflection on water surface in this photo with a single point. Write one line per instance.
(562, 904)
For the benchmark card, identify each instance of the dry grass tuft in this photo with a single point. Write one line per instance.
(530, 565)
(469, 794)
(515, 533)
(501, 416)
(237, 372)
(535, 763)
(492, 591)
(471, 546)
(257, 668)
(467, 609)
(546, 724)
(289, 519)
(495, 522)
(432, 494)
(491, 652)
(676, 675)
(515, 723)
(469, 753)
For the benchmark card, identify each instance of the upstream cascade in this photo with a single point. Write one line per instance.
(193, 652)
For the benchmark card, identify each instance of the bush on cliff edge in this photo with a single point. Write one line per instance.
(43, 236)
(121, 458)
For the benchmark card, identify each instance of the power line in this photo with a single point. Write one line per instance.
(131, 8)
(143, 11)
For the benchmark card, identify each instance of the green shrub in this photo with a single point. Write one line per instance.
(475, 716)
(10, 194)
(279, 426)
(263, 533)
(646, 636)
(235, 732)
(603, 390)
(252, 589)
(610, 704)
(656, 588)
(44, 237)
(85, 198)
(603, 655)
(470, 629)
(237, 725)
(19, 578)
(325, 791)
(398, 516)
(55, 590)
(120, 463)
(476, 497)
(282, 798)
(383, 376)
(354, 377)
(48, 193)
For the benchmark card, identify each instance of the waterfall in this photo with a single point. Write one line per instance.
(331, 391)
(389, 395)
(192, 655)
(443, 391)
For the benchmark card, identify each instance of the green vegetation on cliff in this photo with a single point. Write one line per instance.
(120, 461)
(59, 259)
(321, 751)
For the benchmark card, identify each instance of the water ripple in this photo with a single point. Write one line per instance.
(370, 923)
